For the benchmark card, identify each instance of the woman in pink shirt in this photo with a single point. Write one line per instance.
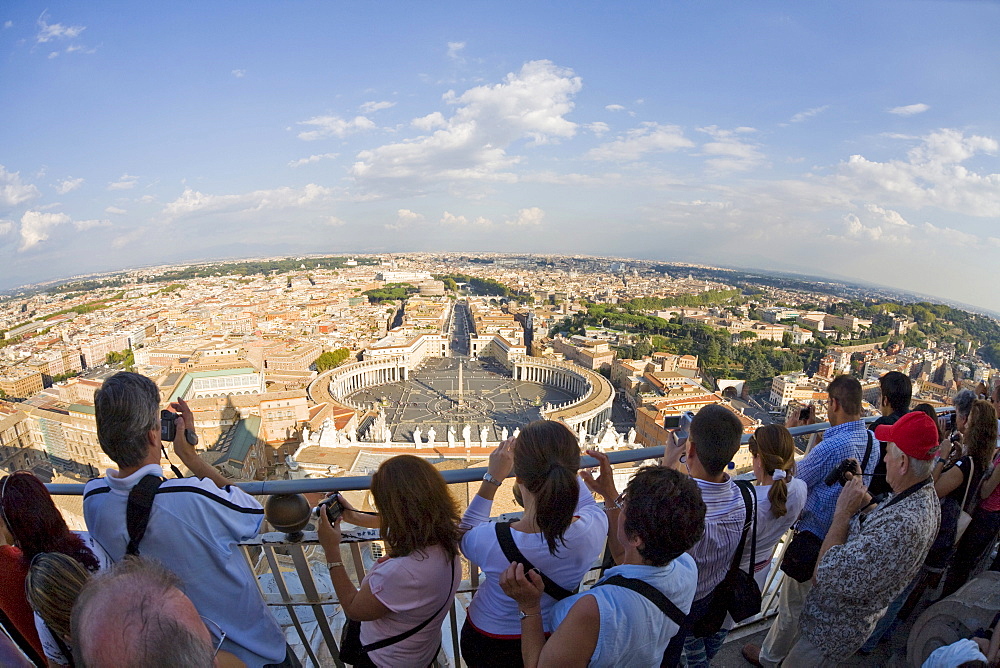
(412, 587)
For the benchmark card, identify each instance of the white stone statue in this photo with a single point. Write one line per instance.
(416, 437)
(431, 437)
(351, 436)
(305, 434)
(631, 436)
(517, 432)
(503, 435)
(482, 436)
(386, 435)
(451, 436)
(467, 435)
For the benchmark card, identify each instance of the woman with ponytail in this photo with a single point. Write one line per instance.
(561, 533)
(780, 496)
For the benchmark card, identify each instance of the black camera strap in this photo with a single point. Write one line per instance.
(140, 504)
(868, 452)
(512, 553)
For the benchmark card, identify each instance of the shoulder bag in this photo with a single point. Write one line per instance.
(738, 594)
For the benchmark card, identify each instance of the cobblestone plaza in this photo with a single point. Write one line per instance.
(430, 398)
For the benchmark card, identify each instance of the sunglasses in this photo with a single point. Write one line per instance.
(216, 631)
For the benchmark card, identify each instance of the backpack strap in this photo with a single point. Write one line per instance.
(385, 642)
(512, 553)
(140, 504)
(654, 595)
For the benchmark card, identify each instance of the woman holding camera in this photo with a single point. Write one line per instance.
(407, 593)
(561, 533)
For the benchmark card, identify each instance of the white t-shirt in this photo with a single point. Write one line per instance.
(770, 529)
(493, 611)
(51, 648)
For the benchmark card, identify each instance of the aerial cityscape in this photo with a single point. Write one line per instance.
(541, 296)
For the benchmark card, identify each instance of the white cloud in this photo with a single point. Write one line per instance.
(598, 128)
(931, 176)
(430, 121)
(728, 152)
(53, 54)
(89, 224)
(472, 144)
(637, 142)
(126, 182)
(808, 113)
(68, 185)
(77, 48)
(909, 109)
(879, 225)
(614, 107)
(333, 221)
(369, 107)
(8, 24)
(334, 126)
(405, 218)
(115, 210)
(193, 203)
(36, 227)
(12, 191)
(951, 236)
(48, 32)
(527, 217)
(311, 159)
(239, 74)
(461, 221)
(455, 50)
(6, 227)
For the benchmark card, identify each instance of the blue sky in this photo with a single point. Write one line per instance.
(856, 139)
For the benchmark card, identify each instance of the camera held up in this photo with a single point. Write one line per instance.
(332, 506)
(838, 473)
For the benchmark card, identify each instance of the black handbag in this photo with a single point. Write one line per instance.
(356, 654)
(801, 555)
(738, 595)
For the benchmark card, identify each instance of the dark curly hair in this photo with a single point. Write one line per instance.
(36, 524)
(664, 508)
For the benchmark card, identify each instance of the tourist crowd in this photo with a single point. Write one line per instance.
(882, 515)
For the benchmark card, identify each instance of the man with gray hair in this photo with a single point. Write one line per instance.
(191, 525)
(866, 560)
(135, 615)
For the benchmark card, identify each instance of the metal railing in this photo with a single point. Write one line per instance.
(295, 584)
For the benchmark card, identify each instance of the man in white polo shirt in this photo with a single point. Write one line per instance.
(194, 524)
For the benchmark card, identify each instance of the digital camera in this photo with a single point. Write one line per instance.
(837, 474)
(168, 425)
(332, 506)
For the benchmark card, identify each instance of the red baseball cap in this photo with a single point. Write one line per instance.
(915, 434)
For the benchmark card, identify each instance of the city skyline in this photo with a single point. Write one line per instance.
(856, 140)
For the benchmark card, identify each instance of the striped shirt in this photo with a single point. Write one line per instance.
(725, 515)
(848, 440)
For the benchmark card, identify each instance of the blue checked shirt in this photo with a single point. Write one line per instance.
(839, 443)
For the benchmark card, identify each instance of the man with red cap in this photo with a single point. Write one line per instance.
(870, 554)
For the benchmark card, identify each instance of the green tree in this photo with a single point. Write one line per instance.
(331, 359)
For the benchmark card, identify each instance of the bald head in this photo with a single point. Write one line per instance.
(136, 615)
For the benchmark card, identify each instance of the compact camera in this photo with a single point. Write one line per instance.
(804, 413)
(837, 474)
(682, 423)
(168, 425)
(331, 505)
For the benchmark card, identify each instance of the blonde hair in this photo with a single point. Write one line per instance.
(774, 445)
(53, 582)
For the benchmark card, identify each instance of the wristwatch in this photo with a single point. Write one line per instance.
(487, 477)
(521, 614)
